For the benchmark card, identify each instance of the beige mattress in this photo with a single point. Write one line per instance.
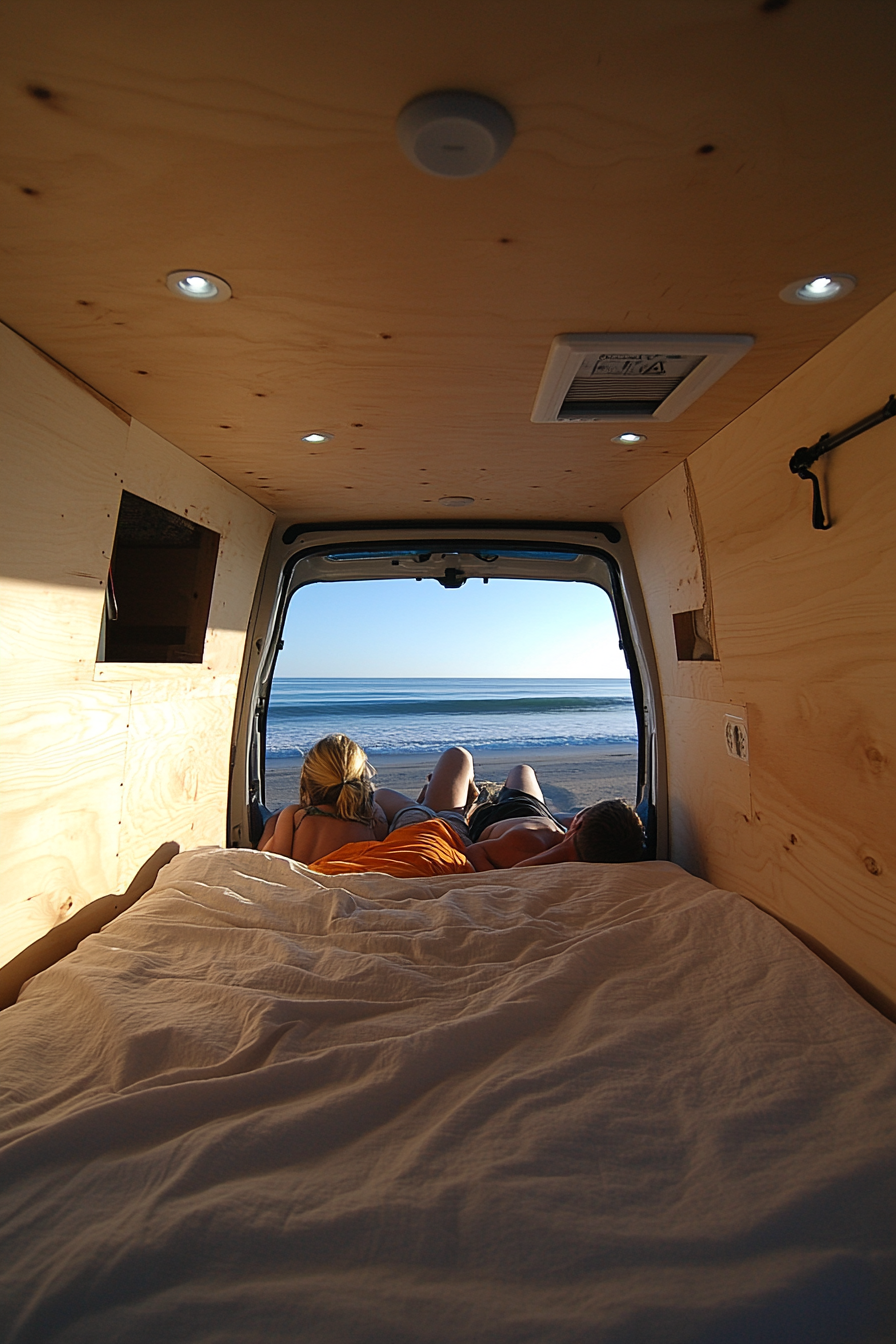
(571, 1103)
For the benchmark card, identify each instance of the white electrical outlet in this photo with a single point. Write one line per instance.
(736, 737)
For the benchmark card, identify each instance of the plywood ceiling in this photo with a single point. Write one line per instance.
(410, 316)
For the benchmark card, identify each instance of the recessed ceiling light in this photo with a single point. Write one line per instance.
(819, 288)
(316, 438)
(456, 501)
(199, 286)
(628, 438)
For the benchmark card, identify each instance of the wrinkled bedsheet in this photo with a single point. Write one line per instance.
(569, 1103)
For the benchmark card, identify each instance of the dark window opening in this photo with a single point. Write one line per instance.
(692, 637)
(159, 590)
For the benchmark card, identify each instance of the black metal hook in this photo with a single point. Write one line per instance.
(819, 522)
(805, 458)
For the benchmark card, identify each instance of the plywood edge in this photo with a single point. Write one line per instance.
(149, 459)
(72, 377)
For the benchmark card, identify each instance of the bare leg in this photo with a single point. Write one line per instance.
(452, 779)
(391, 801)
(523, 777)
(450, 787)
(472, 792)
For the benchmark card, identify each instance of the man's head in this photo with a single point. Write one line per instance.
(609, 832)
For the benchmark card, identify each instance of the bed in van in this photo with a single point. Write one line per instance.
(300, 293)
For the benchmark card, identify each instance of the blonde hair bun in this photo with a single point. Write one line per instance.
(337, 773)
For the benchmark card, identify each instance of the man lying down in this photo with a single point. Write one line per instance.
(341, 824)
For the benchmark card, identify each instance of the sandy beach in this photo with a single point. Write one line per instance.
(571, 777)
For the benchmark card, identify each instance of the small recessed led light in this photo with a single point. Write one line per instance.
(316, 438)
(456, 501)
(199, 286)
(819, 288)
(629, 438)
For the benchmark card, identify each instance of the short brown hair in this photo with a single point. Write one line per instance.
(609, 832)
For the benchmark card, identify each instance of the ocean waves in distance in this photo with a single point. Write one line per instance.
(398, 708)
(398, 715)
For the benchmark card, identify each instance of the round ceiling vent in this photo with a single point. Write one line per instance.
(454, 134)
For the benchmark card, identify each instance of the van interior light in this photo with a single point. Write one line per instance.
(199, 286)
(316, 438)
(456, 501)
(628, 438)
(819, 288)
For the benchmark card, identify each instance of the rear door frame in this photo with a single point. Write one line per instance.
(605, 543)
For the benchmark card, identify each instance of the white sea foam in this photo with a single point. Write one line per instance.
(427, 714)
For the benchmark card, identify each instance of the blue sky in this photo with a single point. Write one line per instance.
(400, 628)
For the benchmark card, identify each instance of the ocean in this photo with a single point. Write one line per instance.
(426, 714)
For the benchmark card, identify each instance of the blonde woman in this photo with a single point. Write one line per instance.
(336, 805)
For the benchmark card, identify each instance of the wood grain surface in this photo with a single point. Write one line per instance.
(674, 166)
(806, 640)
(99, 758)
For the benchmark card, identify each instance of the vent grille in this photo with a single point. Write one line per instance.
(607, 377)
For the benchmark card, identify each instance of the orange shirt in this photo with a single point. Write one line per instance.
(425, 849)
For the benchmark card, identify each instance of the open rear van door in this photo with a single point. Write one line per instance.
(451, 554)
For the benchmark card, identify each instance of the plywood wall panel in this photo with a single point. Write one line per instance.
(181, 719)
(100, 761)
(48, 632)
(710, 799)
(155, 470)
(61, 785)
(805, 632)
(178, 792)
(661, 530)
(61, 450)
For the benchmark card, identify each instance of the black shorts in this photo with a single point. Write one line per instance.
(509, 803)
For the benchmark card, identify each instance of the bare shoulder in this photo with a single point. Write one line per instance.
(513, 846)
(277, 833)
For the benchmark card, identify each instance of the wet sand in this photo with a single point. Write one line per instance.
(571, 777)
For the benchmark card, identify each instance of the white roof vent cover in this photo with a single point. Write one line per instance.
(615, 376)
